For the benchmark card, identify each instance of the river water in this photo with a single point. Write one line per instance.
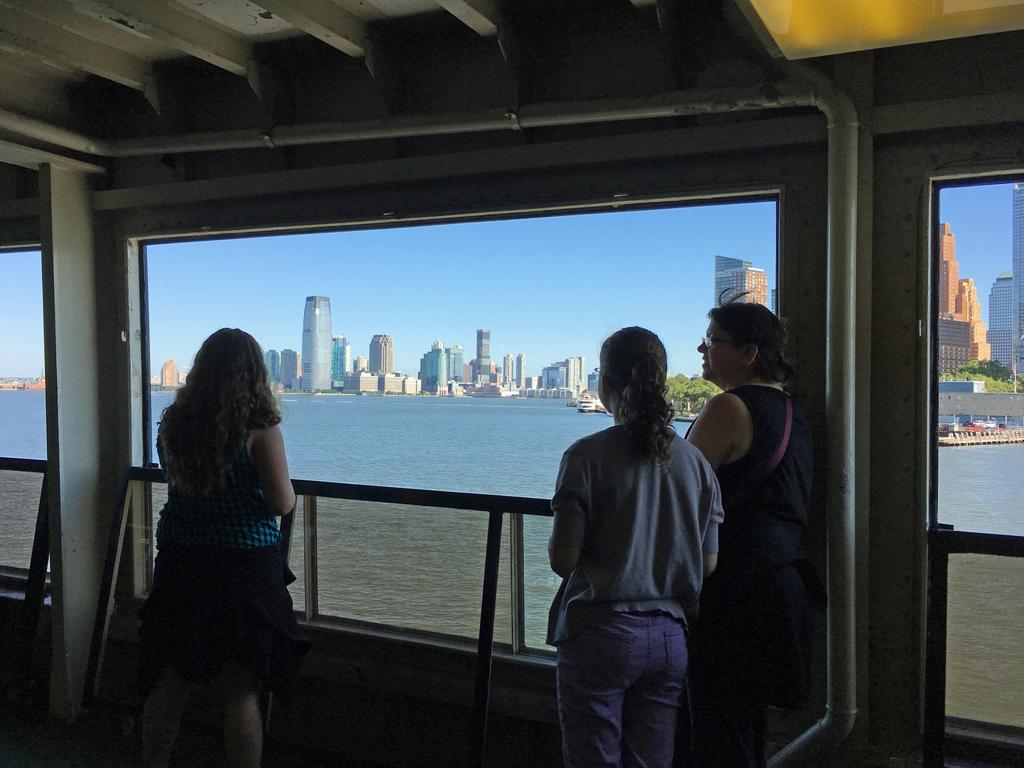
(421, 568)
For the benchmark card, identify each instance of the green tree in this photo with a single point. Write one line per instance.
(991, 369)
(688, 394)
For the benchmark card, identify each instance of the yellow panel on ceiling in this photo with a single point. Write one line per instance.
(804, 28)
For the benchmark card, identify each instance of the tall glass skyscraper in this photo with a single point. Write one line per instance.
(1000, 319)
(273, 361)
(434, 369)
(454, 355)
(483, 348)
(289, 369)
(1018, 271)
(341, 360)
(521, 371)
(316, 344)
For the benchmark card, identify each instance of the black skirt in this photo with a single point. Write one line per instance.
(212, 606)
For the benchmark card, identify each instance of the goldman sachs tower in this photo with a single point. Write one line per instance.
(316, 344)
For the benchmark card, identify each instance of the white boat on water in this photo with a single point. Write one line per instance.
(589, 404)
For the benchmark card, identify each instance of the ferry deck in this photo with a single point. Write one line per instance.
(124, 124)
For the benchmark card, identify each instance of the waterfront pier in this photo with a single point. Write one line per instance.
(989, 437)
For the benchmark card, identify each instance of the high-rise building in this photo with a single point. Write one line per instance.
(169, 374)
(361, 364)
(483, 350)
(454, 355)
(954, 344)
(506, 369)
(592, 379)
(775, 301)
(554, 376)
(1000, 319)
(574, 376)
(521, 370)
(382, 354)
(724, 268)
(273, 361)
(434, 370)
(1018, 273)
(968, 309)
(289, 369)
(949, 274)
(750, 286)
(316, 344)
(339, 365)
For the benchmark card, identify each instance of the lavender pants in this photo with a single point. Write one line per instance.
(620, 682)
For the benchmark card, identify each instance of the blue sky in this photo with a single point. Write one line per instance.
(547, 287)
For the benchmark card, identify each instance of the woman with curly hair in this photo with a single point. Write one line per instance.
(636, 515)
(219, 610)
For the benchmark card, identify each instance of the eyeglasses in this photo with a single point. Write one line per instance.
(709, 341)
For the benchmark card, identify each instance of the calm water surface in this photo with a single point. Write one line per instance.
(421, 568)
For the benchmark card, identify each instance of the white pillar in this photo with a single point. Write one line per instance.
(78, 526)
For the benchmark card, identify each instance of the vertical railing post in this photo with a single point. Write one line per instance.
(934, 751)
(309, 555)
(517, 571)
(488, 598)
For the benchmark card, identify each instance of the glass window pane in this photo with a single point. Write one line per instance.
(19, 508)
(412, 567)
(980, 414)
(296, 558)
(984, 652)
(541, 582)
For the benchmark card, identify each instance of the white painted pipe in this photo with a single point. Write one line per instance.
(817, 91)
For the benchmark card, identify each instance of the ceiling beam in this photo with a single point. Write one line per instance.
(185, 32)
(53, 45)
(32, 158)
(323, 20)
(482, 16)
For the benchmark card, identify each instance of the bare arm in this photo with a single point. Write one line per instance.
(710, 563)
(723, 431)
(563, 558)
(267, 451)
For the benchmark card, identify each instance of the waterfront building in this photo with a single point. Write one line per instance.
(482, 367)
(382, 354)
(290, 368)
(411, 386)
(454, 359)
(467, 372)
(554, 376)
(316, 344)
(954, 344)
(949, 277)
(361, 381)
(1018, 272)
(361, 364)
(969, 309)
(574, 374)
(341, 360)
(169, 374)
(273, 361)
(724, 269)
(506, 369)
(521, 370)
(434, 370)
(592, 378)
(750, 286)
(1001, 319)
(391, 383)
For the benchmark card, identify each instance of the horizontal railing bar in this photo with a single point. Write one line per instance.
(11, 464)
(972, 542)
(419, 497)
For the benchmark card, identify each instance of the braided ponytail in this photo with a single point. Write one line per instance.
(634, 361)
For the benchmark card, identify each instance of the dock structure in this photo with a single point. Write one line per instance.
(991, 437)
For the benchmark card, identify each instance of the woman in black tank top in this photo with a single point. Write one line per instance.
(751, 646)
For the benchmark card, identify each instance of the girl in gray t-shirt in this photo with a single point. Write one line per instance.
(636, 515)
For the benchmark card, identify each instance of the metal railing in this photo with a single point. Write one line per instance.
(495, 506)
(23, 640)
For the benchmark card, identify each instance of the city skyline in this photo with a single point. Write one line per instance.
(573, 278)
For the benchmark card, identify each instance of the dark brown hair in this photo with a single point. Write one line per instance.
(635, 363)
(226, 394)
(756, 324)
